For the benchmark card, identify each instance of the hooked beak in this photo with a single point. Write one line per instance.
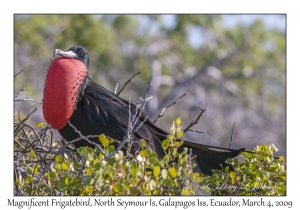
(69, 54)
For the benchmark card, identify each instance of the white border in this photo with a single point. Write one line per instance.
(154, 6)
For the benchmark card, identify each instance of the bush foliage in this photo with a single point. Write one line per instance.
(61, 171)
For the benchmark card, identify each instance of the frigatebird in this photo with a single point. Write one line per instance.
(71, 98)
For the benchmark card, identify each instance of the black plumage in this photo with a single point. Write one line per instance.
(100, 111)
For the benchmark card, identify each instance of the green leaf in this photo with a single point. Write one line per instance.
(282, 189)
(179, 143)
(89, 181)
(154, 154)
(164, 174)
(246, 171)
(97, 166)
(180, 134)
(185, 150)
(52, 175)
(65, 166)
(82, 151)
(271, 169)
(117, 187)
(104, 141)
(199, 179)
(229, 160)
(140, 158)
(145, 152)
(178, 121)
(177, 131)
(165, 144)
(110, 148)
(121, 153)
(143, 143)
(172, 129)
(40, 124)
(169, 138)
(32, 154)
(66, 180)
(103, 163)
(117, 157)
(152, 184)
(61, 186)
(166, 159)
(166, 183)
(127, 184)
(28, 179)
(153, 160)
(174, 152)
(77, 182)
(173, 173)
(232, 174)
(156, 171)
(101, 156)
(36, 169)
(184, 191)
(111, 160)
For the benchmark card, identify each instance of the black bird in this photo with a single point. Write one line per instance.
(70, 95)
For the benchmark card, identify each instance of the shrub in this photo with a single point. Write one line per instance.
(87, 172)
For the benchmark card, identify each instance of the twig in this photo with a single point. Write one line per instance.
(93, 143)
(162, 111)
(231, 136)
(116, 88)
(78, 139)
(31, 187)
(20, 91)
(140, 125)
(132, 122)
(28, 99)
(196, 121)
(127, 83)
(18, 73)
(19, 192)
(197, 131)
(18, 127)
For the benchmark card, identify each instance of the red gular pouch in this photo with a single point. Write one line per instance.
(63, 81)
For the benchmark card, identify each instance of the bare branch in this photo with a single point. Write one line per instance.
(18, 73)
(231, 136)
(116, 88)
(92, 143)
(27, 99)
(197, 131)
(162, 111)
(196, 121)
(132, 122)
(127, 83)
(20, 124)
(78, 139)
(20, 91)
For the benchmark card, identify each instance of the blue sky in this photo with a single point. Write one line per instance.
(271, 21)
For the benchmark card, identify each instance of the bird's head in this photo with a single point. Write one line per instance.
(76, 52)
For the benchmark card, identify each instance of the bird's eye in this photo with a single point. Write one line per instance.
(80, 53)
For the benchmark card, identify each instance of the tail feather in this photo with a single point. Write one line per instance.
(208, 158)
